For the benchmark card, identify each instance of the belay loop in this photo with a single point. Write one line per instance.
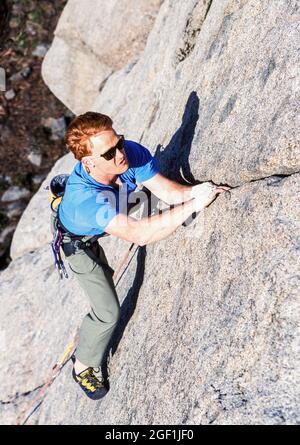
(57, 190)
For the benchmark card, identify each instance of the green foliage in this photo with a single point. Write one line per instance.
(21, 40)
(36, 15)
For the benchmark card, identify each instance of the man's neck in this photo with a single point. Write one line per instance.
(105, 179)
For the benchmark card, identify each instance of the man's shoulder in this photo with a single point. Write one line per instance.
(134, 147)
(131, 143)
(75, 174)
(136, 153)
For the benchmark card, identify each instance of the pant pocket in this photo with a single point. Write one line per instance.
(81, 263)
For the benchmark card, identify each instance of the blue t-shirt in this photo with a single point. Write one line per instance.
(88, 206)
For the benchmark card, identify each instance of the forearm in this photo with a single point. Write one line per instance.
(176, 193)
(158, 227)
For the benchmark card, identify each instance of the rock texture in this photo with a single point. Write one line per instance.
(209, 332)
(92, 42)
(33, 229)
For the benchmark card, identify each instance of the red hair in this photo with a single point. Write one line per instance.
(82, 128)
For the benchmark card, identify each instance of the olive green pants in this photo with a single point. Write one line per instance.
(98, 325)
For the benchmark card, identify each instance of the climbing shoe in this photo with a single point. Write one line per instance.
(91, 382)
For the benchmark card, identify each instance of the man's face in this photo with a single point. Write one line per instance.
(101, 144)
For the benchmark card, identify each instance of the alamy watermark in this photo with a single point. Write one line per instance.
(111, 203)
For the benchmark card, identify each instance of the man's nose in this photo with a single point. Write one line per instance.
(119, 154)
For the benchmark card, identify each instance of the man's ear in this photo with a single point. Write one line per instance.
(86, 161)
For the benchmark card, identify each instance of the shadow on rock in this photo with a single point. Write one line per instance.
(127, 309)
(173, 159)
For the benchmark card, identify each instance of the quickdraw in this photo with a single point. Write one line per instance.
(57, 189)
(58, 262)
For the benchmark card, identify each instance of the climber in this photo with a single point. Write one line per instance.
(110, 167)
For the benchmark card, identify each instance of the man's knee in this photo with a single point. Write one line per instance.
(110, 314)
(115, 314)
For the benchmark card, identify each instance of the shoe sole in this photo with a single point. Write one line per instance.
(99, 394)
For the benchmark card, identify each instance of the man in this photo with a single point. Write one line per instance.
(110, 167)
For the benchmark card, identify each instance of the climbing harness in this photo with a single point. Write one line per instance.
(76, 242)
(86, 243)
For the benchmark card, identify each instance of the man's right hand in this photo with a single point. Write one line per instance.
(157, 227)
(203, 194)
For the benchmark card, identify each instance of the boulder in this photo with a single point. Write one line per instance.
(35, 158)
(40, 51)
(117, 33)
(15, 209)
(15, 193)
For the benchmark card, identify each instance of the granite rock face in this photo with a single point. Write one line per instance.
(92, 42)
(209, 332)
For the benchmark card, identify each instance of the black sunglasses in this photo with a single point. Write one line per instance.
(111, 153)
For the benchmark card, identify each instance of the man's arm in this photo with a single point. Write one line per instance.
(154, 228)
(167, 190)
(157, 227)
(172, 192)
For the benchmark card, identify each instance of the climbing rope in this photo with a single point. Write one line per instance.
(27, 412)
(37, 401)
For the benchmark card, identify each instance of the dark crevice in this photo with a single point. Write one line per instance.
(268, 71)
(208, 8)
(153, 115)
(277, 178)
(103, 83)
(173, 159)
(193, 27)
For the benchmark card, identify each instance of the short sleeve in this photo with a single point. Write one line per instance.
(145, 165)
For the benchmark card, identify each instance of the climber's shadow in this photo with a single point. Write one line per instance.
(172, 160)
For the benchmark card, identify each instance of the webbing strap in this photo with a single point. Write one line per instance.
(72, 236)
